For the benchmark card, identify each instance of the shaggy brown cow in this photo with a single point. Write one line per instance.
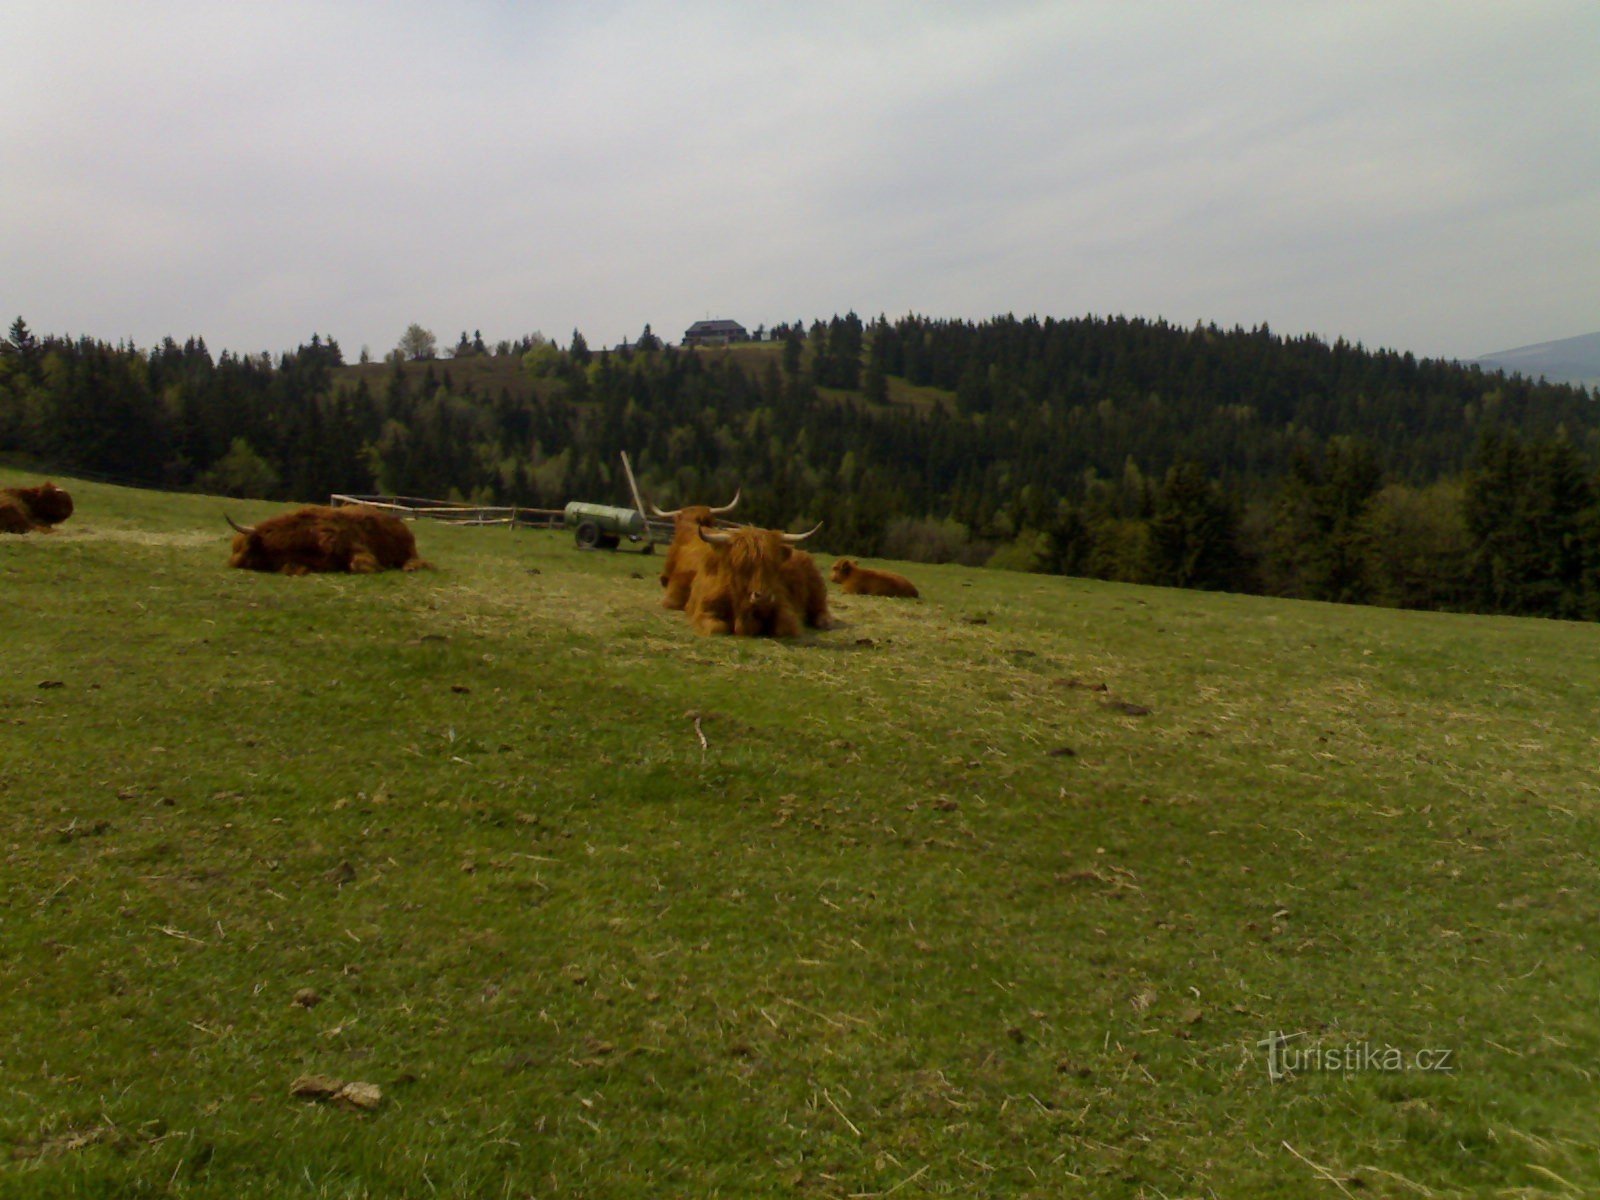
(357, 539)
(687, 551)
(23, 510)
(754, 582)
(856, 580)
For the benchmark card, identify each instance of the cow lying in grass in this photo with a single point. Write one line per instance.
(754, 582)
(856, 580)
(687, 551)
(26, 510)
(357, 539)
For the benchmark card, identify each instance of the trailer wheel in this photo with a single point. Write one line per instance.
(588, 535)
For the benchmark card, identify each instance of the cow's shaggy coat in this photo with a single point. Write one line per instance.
(356, 538)
(26, 510)
(856, 580)
(685, 555)
(687, 551)
(753, 583)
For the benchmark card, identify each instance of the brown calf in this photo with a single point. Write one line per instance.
(856, 580)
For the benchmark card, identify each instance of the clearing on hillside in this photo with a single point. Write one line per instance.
(497, 880)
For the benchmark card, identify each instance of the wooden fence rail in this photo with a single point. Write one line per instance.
(413, 507)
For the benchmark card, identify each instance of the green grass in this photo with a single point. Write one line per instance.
(752, 356)
(880, 933)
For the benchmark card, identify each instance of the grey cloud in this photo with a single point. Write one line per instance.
(1408, 174)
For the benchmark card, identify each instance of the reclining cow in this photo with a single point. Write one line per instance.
(26, 510)
(357, 539)
(687, 551)
(856, 580)
(755, 582)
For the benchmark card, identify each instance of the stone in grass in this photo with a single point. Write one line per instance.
(364, 1096)
(314, 1087)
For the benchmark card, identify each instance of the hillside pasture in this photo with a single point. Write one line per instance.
(995, 893)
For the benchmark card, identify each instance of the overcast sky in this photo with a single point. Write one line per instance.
(1423, 176)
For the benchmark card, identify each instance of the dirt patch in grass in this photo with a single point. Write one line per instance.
(187, 540)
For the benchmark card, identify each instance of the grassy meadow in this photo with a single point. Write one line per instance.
(989, 894)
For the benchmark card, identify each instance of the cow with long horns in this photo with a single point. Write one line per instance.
(26, 510)
(358, 539)
(755, 582)
(687, 551)
(856, 580)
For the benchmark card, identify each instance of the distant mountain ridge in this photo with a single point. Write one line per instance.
(1568, 360)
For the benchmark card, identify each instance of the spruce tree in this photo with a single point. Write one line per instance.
(1194, 533)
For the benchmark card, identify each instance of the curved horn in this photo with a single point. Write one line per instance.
(665, 515)
(728, 507)
(792, 538)
(238, 528)
(716, 537)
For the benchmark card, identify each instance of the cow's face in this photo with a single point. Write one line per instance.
(743, 580)
(249, 553)
(691, 518)
(250, 548)
(749, 560)
(755, 557)
(49, 503)
(841, 570)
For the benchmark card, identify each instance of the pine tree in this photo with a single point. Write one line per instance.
(20, 339)
(1194, 533)
(1320, 536)
(1525, 507)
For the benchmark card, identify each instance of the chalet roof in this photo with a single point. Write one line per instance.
(720, 325)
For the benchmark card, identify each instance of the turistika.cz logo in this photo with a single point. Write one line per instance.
(1285, 1058)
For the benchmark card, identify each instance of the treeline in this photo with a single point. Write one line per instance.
(1115, 448)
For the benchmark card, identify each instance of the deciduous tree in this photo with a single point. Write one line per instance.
(418, 343)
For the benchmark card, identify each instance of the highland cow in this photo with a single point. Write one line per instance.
(856, 580)
(26, 510)
(753, 582)
(357, 539)
(687, 551)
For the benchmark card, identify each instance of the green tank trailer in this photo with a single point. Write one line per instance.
(604, 526)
